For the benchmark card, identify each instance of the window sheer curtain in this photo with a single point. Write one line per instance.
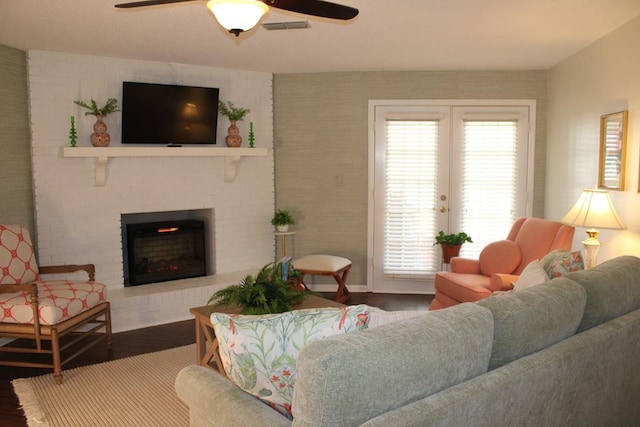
(488, 181)
(488, 190)
(411, 169)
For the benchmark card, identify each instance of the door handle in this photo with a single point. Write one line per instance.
(443, 209)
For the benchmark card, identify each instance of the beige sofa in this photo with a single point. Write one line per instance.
(563, 353)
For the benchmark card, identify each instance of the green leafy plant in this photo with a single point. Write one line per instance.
(232, 112)
(265, 293)
(282, 217)
(454, 239)
(110, 107)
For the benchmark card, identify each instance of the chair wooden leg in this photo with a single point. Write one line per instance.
(55, 354)
(107, 318)
(342, 295)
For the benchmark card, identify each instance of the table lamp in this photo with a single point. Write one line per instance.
(593, 210)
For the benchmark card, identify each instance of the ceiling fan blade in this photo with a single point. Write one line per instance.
(316, 8)
(148, 3)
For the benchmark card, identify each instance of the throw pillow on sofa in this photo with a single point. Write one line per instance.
(558, 263)
(533, 274)
(259, 353)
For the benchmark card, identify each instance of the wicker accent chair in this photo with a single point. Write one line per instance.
(48, 322)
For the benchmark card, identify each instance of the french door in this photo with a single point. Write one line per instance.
(443, 165)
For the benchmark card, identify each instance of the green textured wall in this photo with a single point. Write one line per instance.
(16, 195)
(321, 151)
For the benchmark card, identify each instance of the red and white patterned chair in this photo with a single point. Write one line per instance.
(59, 319)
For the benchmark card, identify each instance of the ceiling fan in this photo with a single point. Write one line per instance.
(242, 15)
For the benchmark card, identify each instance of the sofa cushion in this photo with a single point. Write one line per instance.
(462, 287)
(379, 317)
(557, 263)
(533, 274)
(613, 289)
(259, 352)
(535, 318)
(502, 256)
(345, 380)
(58, 300)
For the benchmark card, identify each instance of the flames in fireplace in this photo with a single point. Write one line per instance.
(183, 263)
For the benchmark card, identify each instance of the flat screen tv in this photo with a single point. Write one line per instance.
(168, 114)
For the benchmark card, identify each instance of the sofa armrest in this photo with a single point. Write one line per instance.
(465, 265)
(213, 400)
(502, 282)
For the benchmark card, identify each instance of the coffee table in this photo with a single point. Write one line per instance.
(206, 342)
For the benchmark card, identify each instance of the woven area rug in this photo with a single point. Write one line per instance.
(135, 391)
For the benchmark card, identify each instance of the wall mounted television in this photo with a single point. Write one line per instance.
(168, 114)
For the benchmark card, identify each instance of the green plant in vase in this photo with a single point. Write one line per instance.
(111, 106)
(269, 291)
(282, 219)
(99, 137)
(451, 244)
(234, 114)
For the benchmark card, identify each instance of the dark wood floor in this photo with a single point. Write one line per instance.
(147, 340)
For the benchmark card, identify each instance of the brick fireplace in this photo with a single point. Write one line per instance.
(78, 222)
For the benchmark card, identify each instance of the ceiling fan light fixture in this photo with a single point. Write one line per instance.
(237, 16)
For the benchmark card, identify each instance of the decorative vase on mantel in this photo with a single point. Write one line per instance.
(233, 138)
(100, 137)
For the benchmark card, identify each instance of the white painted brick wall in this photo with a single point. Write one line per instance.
(77, 222)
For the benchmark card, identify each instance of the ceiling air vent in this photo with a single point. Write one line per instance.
(293, 25)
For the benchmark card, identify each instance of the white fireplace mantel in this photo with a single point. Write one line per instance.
(232, 156)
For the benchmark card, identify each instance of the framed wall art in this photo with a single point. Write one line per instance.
(613, 143)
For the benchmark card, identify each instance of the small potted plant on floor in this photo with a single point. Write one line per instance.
(270, 291)
(234, 114)
(451, 244)
(282, 219)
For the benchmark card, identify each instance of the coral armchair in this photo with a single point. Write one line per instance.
(500, 263)
(49, 322)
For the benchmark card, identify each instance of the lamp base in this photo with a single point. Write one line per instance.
(591, 247)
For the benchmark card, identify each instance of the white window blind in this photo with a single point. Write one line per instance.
(488, 181)
(612, 154)
(411, 170)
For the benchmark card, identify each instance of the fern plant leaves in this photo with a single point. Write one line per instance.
(93, 110)
(265, 293)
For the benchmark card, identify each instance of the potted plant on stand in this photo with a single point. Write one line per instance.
(234, 114)
(451, 244)
(282, 219)
(100, 137)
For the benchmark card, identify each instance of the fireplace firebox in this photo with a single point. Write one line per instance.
(163, 251)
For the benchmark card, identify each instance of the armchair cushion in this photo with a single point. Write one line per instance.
(462, 287)
(59, 300)
(502, 256)
(17, 258)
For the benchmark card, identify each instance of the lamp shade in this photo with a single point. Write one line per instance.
(237, 15)
(594, 210)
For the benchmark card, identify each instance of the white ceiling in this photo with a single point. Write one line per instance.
(386, 35)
